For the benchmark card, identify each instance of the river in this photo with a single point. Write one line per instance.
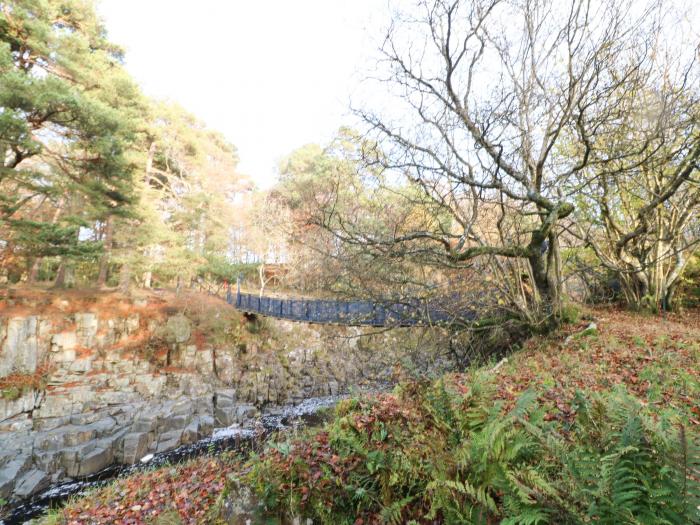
(307, 413)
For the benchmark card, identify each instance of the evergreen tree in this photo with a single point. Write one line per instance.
(68, 120)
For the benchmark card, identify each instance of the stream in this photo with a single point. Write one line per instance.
(307, 413)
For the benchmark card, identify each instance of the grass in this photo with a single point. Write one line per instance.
(13, 386)
(657, 359)
(11, 393)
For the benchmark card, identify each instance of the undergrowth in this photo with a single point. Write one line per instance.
(444, 453)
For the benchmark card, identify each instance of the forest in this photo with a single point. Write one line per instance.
(582, 182)
(536, 162)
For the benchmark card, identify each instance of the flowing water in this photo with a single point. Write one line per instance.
(307, 413)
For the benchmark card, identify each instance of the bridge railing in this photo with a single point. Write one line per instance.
(351, 313)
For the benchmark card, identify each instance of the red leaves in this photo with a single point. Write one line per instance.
(626, 349)
(190, 490)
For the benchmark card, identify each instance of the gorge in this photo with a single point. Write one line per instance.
(92, 380)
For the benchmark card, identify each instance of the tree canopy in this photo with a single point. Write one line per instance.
(92, 170)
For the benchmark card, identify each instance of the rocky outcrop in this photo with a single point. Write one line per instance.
(113, 385)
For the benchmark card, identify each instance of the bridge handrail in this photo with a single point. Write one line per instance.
(351, 313)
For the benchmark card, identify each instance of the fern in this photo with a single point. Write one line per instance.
(392, 513)
(454, 457)
(627, 468)
(686, 458)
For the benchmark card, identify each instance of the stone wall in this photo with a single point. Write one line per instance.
(112, 385)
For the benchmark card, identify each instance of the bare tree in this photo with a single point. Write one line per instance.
(639, 199)
(487, 97)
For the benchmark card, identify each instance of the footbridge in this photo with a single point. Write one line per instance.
(411, 312)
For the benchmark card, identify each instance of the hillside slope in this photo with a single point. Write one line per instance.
(590, 424)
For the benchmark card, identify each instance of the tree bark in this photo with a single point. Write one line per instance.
(36, 263)
(107, 255)
(65, 277)
(125, 278)
(34, 270)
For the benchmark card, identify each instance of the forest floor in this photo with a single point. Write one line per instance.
(656, 358)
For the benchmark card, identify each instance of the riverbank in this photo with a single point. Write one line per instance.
(225, 445)
(90, 379)
(549, 435)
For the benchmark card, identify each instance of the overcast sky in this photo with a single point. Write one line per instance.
(271, 75)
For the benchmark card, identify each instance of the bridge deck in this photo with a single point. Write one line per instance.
(350, 313)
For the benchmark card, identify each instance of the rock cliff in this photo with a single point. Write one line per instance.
(85, 384)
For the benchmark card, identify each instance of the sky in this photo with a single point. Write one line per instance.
(271, 75)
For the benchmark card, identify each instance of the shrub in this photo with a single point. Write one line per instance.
(440, 453)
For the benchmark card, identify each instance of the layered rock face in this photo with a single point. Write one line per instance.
(82, 390)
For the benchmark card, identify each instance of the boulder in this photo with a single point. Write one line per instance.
(145, 422)
(20, 350)
(19, 423)
(48, 461)
(114, 397)
(55, 405)
(204, 361)
(103, 426)
(149, 385)
(204, 405)
(172, 423)
(13, 407)
(225, 367)
(225, 398)
(191, 432)
(224, 417)
(245, 413)
(49, 423)
(70, 461)
(31, 483)
(169, 441)
(75, 435)
(85, 418)
(96, 460)
(182, 407)
(52, 440)
(64, 341)
(86, 328)
(10, 472)
(206, 425)
(188, 356)
(6, 486)
(333, 388)
(178, 329)
(135, 446)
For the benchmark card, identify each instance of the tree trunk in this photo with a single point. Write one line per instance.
(261, 274)
(149, 161)
(36, 263)
(65, 277)
(107, 255)
(60, 275)
(671, 281)
(669, 295)
(125, 278)
(544, 263)
(34, 270)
